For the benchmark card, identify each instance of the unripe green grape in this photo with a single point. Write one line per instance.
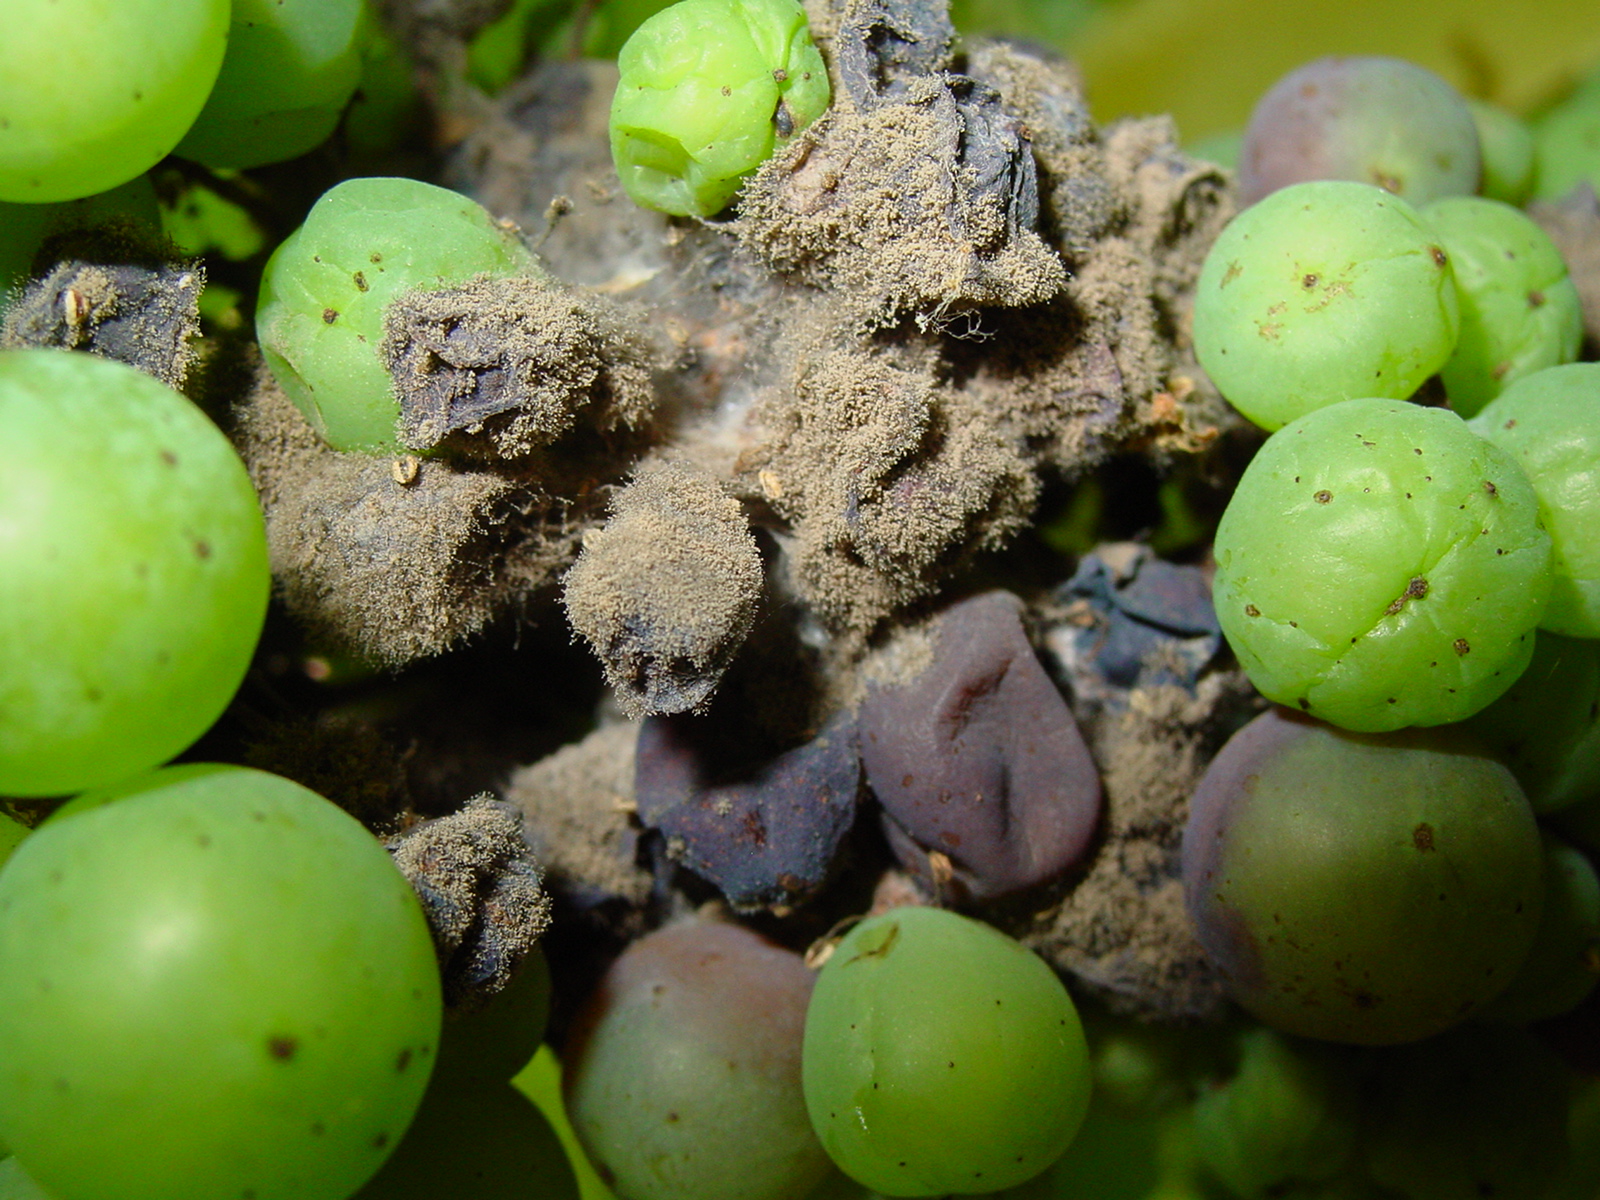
(1380, 565)
(1566, 144)
(491, 1044)
(1287, 1116)
(12, 831)
(1322, 292)
(17, 1184)
(1546, 727)
(1335, 118)
(1563, 964)
(24, 228)
(1506, 143)
(1520, 311)
(243, 994)
(707, 90)
(290, 68)
(942, 1056)
(94, 92)
(326, 288)
(133, 572)
(1549, 424)
(1361, 888)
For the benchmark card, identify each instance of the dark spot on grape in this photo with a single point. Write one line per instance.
(137, 96)
(1417, 450)
(657, 989)
(1462, 646)
(673, 1118)
(1422, 836)
(316, 258)
(726, 90)
(318, 1129)
(375, 258)
(202, 549)
(404, 1061)
(1294, 624)
(1323, 496)
(1309, 281)
(1490, 488)
(203, 840)
(1510, 424)
(1415, 590)
(1304, 704)
(379, 1142)
(1250, 610)
(93, 695)
(1535, 298)
(1439, 256)
(55, 876)
(360, 281)
(168, 457)
(329, 316)
(1233, 272)
(282, 1047)
(1392, 700)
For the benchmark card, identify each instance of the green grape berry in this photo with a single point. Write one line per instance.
(133, 572)
(1549, 424)
(1520, 311)
(1506, 143)
(1380, 565)
(326, 289)
(290, 68)
(216, 983)
(1566, 144)
(1323, 291)
(941, 1056)
(94, 92)
(24, 228)
(707, 89)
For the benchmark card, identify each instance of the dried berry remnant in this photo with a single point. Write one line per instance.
(515, 360)
(142, 313)
(482, 893)
(767, 834)
(979, 759)
(666, 591)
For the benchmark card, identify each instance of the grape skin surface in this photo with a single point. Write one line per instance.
(1322, 292)
(133, 572)
(1380, 565)
(243, 996)
(94, 92)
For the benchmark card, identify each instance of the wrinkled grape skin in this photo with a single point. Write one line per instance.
(243, 993)
(290, 68)
(1549, 423)
(96, 91)
(1379, 565)
(707, 89)
(1323, 292)
(1520, 312)
(1366, 118)
(326, 288)
(133, 572)
(682, 1071)
(942, 1056)
(1359, 888)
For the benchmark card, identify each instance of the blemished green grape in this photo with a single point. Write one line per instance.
(942, 1056)
(1505, 141)
(25, 227)
(326, 288)
(1380, 565)
(1520, 311)
(290, 68)
(1563, 965)
(95, 92)
(707, 90)
(1546, 727)
(1323, 291)
(133, 572)
(1288, 1115)
(1363, 888)
(243, 995)
(1549, 424)
(1479, 1111)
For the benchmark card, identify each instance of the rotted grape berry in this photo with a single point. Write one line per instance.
(1380, 565)
(1359, 888)
(708, 88)
(1322, 292)
(1341, 118)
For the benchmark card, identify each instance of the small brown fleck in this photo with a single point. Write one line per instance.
(360, 280)
(1535, 298)
(1422, 836)
(1250, 610)
(1323, 496)
(282, 1047)
(1462, 646)
(1309, 280)
(329, 316)
(1489, 487)
(1439, 256)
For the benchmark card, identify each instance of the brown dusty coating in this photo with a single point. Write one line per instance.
(666, 592)
(396, 559)
(482, 892)
(578, 815)
(503, 367)
(1123, 930)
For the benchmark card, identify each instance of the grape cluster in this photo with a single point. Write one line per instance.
(216, 983)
